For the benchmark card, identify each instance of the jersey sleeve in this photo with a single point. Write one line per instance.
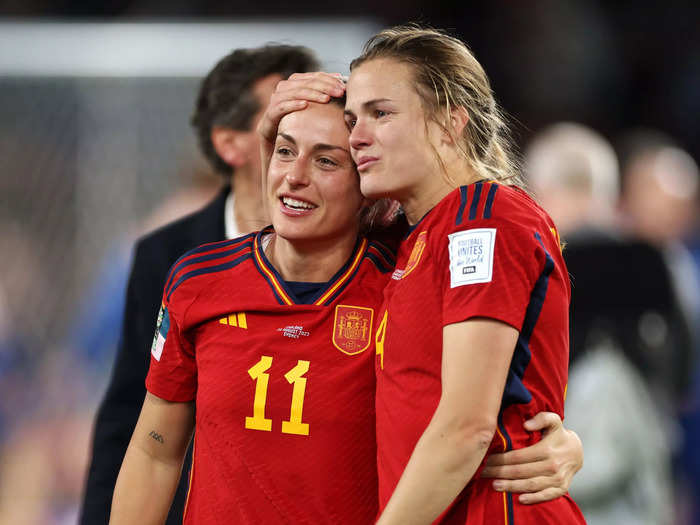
(172, 374)
(489, 271)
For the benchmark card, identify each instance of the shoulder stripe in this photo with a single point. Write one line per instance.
(206, 247)
(187, 261)
(218, 244)
(389, 253)
(489, 200)
(515, 391)
(475, 200)
(211, 246)
(539, 293)
(462, 204)
(388, 258)
(209, 269)
(379, 264)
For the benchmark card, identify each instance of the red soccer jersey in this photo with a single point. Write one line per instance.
(284, 392)
(485, 250)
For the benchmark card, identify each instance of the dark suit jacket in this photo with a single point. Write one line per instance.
(615, 284)
(116, 418)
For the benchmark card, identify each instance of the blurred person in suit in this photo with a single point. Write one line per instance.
(625, 368)
(659, 204)
(659, 197)
(230, 102)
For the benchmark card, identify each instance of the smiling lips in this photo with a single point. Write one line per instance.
(363, 163)
(295, 207)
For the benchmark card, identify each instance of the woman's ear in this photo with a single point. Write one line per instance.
(452, 127)
(458, 120)
(231, 145)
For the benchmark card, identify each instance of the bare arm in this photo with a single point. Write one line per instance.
(542, 471)
(475, 360)
(153, 462)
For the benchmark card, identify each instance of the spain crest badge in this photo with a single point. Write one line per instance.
(352, 328)
(416, 253)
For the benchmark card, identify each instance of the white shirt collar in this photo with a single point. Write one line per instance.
(230, 218)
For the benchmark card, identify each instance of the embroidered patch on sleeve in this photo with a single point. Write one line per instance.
(471, 256)
(162, 327)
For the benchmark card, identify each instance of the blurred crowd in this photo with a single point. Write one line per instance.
(49, 392)
(628, 216)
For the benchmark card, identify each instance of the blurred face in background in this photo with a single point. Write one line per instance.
(659, 201)
(248, 142)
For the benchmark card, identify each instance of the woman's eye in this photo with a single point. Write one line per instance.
(283, 151)
(327, 162)
(379, 113)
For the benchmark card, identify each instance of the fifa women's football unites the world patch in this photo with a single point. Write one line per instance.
(162, 327)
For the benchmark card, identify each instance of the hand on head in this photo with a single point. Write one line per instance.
(294, 94)
(291, 95)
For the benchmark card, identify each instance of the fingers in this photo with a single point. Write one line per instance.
(535, 490)
(267, 127)
(538, 452)
(546, 421)
(529, 486)
(558, 443)
(542, 471)
(276, 111)
(294, 94)
(540, 496)
(521, 471)
(541, 481)
(315, 87)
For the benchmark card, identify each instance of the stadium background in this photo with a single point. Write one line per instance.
(95, 149)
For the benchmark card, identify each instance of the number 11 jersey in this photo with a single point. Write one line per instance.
(283, 391)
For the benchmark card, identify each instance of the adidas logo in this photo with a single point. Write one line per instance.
(237, 319)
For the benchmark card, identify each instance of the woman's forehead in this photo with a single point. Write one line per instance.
(380, 78)
(316, 123)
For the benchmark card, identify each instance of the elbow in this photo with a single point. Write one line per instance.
(475, 442)
(469, 440)
(476, 429)
(480, 434)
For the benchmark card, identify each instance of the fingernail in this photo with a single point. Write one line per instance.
(498, 485)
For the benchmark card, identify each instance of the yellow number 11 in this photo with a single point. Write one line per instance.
(258, 373)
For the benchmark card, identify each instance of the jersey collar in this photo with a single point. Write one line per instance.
(327, 293)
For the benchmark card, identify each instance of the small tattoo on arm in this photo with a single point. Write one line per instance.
(155, 435)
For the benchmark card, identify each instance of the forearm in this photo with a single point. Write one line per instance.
(475, 359)
(443, 461)
(144, 489)
(151, 468)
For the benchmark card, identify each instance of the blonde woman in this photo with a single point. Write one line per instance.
(472, 338)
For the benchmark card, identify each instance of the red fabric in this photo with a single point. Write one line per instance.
(248, 476)
(420, 299)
